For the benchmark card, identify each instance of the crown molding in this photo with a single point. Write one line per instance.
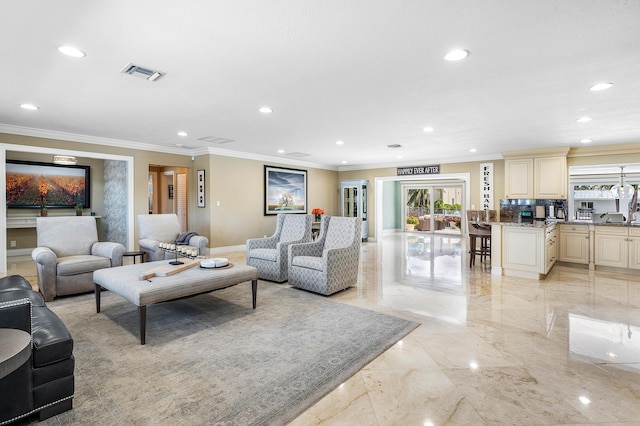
(97, 140)
(546, 152)
(590, 151)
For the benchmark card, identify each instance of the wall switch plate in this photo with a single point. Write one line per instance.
(218, 203)
(13, 243)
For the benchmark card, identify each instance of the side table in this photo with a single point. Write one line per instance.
(134, 254)
(14, 351)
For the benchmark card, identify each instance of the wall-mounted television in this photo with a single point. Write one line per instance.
(31, 184)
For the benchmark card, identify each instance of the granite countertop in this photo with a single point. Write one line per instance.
(588, 222)
(535, 224)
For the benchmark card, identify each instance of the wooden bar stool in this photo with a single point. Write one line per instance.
(483, 233)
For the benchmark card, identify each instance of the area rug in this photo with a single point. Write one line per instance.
(211, 359)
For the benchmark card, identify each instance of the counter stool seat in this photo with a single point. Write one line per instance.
(483, 233)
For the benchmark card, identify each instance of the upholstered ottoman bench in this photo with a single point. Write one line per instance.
(125, 281)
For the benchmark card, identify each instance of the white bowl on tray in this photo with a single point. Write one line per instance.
(214, 262)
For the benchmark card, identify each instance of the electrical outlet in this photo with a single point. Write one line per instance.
(13, 243)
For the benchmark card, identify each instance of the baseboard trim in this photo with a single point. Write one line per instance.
(19, 252)
(226, 249)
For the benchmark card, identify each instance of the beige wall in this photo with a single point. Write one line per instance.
(472, 168)
(239, 184)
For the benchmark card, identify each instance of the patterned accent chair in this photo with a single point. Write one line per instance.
(329, 264)
(67, 254)
(269, 254)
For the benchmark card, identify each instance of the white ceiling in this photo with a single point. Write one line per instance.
(370, 73)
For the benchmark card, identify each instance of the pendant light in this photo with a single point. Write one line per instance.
(622, 191)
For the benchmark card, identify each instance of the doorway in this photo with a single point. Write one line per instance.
(433, 208)
(168, 192)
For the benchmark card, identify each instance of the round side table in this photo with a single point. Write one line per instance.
(134, 254)
(14, 351)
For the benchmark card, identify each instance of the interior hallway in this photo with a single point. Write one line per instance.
(491, 349)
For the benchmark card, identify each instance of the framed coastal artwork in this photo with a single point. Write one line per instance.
(285, 190)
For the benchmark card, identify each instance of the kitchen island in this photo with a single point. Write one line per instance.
(523, 250)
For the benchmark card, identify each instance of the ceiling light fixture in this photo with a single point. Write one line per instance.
(66, 160)
(586, 140)
(281, 151)
(339, 143)
(428, 129)
(183, 134)
(584, 119)
(71, 51)
(265, 110)
(456, 55)
(30, 107)
(344, 162)
(600, 86)
(473, 150)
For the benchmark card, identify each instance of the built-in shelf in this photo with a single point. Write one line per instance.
(29, 221)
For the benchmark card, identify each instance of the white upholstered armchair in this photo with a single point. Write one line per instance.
(330, 263)
(269, 254)
(67, 254)
(154, 229)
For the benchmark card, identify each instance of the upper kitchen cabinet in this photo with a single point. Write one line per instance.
(540, 174)
(550, 177)
(518, 178)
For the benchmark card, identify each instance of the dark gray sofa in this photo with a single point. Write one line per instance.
(44, 385)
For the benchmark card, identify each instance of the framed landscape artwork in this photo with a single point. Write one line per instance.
(31, 185)
(285, 190)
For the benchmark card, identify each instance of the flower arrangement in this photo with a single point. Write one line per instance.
(317, 212)
(412, 220)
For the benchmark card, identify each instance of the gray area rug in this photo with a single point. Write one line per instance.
(211, 359)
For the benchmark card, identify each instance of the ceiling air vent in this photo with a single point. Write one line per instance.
(215, 140)
(142, 72)
(394, 146)
(297, 154)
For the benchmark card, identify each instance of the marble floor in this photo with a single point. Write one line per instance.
(490, 349)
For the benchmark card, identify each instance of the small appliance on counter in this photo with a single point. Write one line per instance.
(540, 213)
(525, 216)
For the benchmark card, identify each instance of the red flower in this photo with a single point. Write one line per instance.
(317, 211)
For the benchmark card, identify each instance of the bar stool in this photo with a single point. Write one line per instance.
(483, 233)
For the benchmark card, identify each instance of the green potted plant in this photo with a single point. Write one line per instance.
(43, 210)
(412, 221)
(79, 209)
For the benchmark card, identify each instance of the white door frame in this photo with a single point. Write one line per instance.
(432, 179)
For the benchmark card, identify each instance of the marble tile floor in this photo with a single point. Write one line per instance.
(491, 350)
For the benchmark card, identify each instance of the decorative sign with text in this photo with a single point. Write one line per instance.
(486, 186)
(419, 170)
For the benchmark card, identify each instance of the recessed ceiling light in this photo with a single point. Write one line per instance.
(586, 140)
(344, 162)
(281, 151)
(428, 129)
(339, 143)
(30, 107)
(584, 119)
(179, 145)
(399, 157)
(71, 51)
(473, 150)
(183, 134)
(456, 55)
(265, 110)
(600, 86)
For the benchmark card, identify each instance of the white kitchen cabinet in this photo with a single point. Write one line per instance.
(634, 248)
(550, 178)
(574, 244)
(612, 246)
(528, 251)
(540, 174)
(518, 178)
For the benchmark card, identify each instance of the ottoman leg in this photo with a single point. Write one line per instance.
(97, 289)
(254, 292)
(142, 313)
